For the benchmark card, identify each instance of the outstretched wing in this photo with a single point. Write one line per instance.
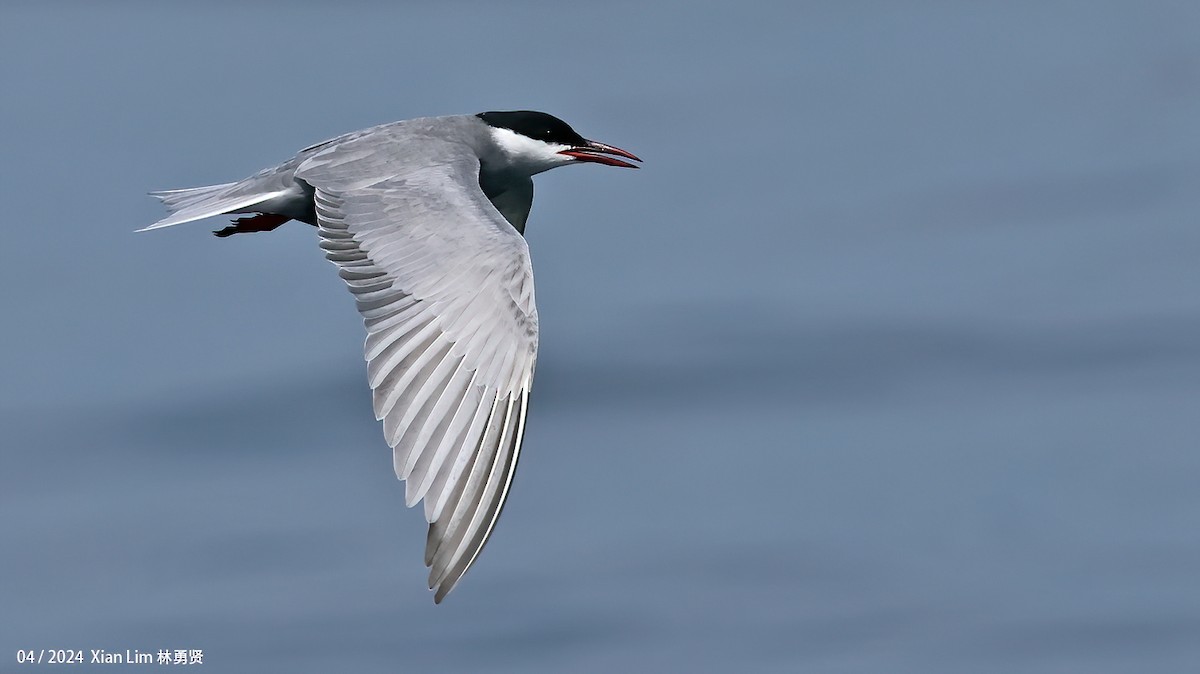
(445, 288)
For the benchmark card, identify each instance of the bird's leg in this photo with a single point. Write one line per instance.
(263, 222)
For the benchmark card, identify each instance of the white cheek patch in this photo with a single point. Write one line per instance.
(525, 151)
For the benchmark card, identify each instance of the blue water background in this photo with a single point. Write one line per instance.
(887, 361)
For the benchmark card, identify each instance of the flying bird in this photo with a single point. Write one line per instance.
(425, 221)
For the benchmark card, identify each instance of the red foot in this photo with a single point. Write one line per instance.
(263, 222)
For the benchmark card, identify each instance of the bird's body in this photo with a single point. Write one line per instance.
(424, 219)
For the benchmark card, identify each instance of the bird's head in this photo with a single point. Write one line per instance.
(532, 142)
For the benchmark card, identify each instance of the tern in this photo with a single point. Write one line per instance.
(425, 221)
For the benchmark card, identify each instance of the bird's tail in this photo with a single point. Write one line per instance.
(197, 203)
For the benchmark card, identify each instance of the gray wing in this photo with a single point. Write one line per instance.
(445, 288)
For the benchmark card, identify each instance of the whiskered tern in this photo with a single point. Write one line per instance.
(425, 220)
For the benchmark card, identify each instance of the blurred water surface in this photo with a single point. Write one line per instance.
(888, 361)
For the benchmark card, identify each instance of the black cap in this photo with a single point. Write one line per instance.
(536, 125)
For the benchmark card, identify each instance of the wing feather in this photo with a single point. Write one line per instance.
(468, 540)
(441, 419)
(448, 486)
(475, 487)
(445, 288)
